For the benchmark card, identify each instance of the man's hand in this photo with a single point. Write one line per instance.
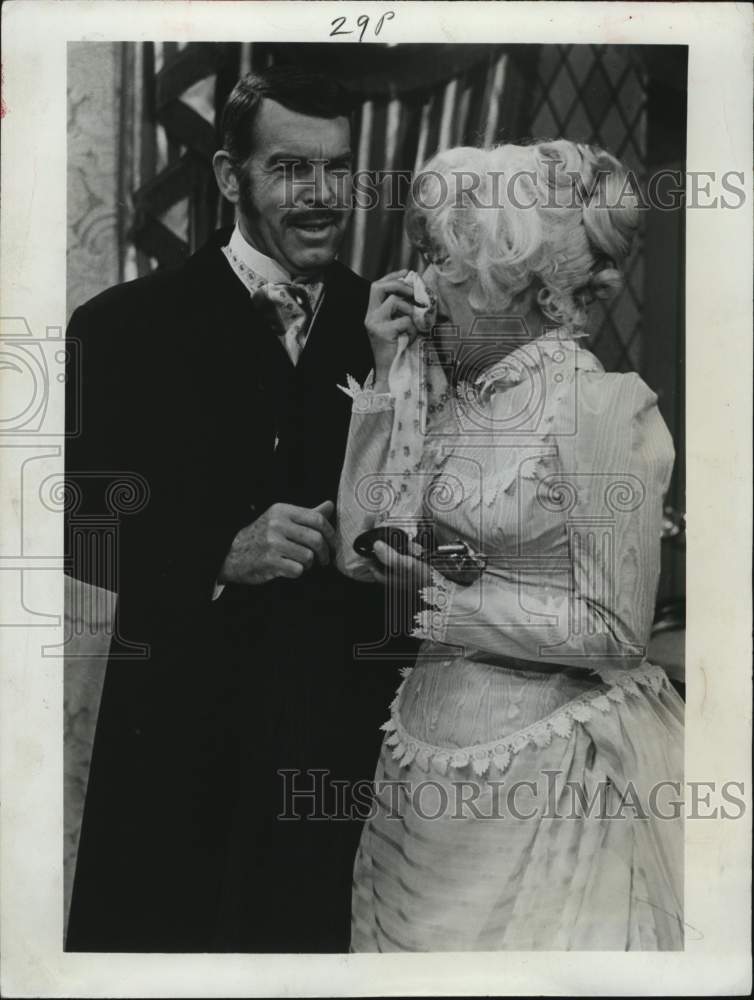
(389, 314)
(285, 541)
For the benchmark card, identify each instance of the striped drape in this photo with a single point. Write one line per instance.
(396, 134)
(414, 108)
(168, 140)
(411, 102)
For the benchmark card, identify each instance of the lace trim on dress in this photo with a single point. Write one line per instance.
(499, 753)
(432, 622)
(365, 399)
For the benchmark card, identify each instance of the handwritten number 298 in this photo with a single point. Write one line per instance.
(362, 22)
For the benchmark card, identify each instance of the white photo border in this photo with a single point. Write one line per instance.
(719, 269)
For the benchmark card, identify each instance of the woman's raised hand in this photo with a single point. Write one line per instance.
(389, 315)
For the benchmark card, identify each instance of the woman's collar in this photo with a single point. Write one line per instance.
(533, 355)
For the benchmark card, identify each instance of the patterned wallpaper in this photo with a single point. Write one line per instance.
(94, 90)
(94, 83)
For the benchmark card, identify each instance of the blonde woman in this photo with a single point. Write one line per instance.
(527, 792)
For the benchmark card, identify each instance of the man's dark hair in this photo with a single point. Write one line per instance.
(298, 90)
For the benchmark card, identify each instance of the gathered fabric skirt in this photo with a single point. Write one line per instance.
(524, 809)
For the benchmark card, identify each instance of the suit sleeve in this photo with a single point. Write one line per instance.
(142, 521)
(596, 612)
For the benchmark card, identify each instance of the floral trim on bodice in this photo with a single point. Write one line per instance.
(449, 414)
(499, 753)
(548, 365)
(514, 368)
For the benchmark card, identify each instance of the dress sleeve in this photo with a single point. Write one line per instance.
(360, 494)
(592, 606)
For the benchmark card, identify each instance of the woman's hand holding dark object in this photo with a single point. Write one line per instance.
(454, 561)
(408, 573)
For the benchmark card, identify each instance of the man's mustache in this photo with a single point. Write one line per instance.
(315, 216)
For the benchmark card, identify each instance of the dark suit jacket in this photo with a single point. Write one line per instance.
(179, 387)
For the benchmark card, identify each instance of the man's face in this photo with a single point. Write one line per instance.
(296, 214)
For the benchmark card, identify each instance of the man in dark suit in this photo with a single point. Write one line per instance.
(217, 384)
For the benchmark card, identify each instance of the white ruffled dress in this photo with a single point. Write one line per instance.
(527, 792)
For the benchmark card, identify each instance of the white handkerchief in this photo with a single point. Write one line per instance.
(420, 390)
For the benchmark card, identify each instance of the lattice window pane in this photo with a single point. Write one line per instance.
(597, 94)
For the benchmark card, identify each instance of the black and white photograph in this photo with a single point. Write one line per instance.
(367, 429)
(252, 655)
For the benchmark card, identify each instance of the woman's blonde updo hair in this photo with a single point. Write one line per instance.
(548, 223)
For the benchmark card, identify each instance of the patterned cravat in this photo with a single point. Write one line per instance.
(285, 308)
(286, 311)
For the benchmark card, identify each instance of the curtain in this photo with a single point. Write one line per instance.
(411, 102)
